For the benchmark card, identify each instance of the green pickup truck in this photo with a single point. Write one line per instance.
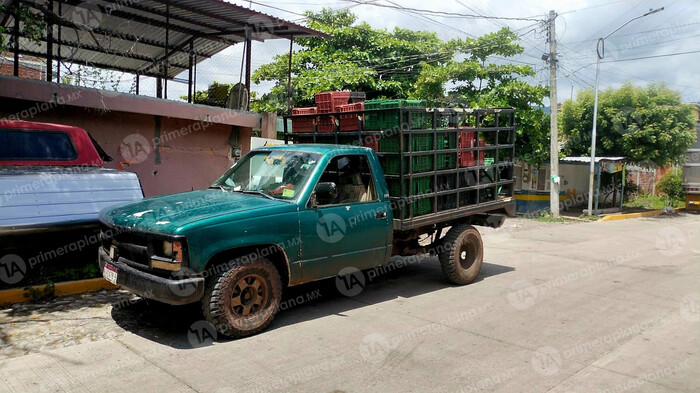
(282, 216)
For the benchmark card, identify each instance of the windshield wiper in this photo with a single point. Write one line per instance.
(218, 187)
(258, 193)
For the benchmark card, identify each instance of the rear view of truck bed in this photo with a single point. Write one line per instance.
(440, 164)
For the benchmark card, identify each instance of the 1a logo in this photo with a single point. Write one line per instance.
(331, 228)
(350, 281)
(201, 334)
(12, 269)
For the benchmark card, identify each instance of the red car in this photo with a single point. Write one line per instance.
(24, 143)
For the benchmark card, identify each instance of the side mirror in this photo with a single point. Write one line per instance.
(326, 191)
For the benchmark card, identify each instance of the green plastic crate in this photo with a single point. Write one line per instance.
(421, 185)
(390, 164)
(446, 161)
(422, 142)
(422, 164)
(447, 140)
(374, 121)
(390, 144)
(423, 206)
(391, 118)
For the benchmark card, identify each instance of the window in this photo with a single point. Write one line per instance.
(352, 175)
(277, 174)
(27, 145)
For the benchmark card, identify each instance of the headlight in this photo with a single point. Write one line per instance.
(172, 250)
(168, 249)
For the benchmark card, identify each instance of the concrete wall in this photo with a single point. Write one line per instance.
(191, 154)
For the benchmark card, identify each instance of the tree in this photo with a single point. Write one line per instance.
(355, 57)
(649, 125)
(472, 82)
(32, 25)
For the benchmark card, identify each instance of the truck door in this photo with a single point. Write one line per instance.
(347, 228)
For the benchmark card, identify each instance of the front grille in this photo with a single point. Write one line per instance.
(131, 245)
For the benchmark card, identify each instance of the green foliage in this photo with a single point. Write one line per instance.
(410, 64)
(95, 78)
(36, 295)
(671, 184)
(32, 24)
(648, 125)
(355, 57)
(474, 83)
(75, 273)
(215, 95)
(653, 202)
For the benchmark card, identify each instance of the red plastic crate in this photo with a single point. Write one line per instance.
(371, 141)
(350, 122)
(328, 101)
(467, 139)
(326, 124)
(305, 124)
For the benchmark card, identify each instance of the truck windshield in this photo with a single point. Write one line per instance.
(277, 174)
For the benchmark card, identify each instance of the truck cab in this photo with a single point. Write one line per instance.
(281, 216)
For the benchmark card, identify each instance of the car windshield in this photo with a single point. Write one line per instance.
(276, 174)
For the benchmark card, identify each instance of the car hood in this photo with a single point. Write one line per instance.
(168, 213)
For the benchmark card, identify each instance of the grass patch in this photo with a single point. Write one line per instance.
(549, 219)
(651, 202)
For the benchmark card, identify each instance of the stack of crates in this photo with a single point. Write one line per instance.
(387, 120)
(304, 124)
(328, 102)
(351, 122)
(467, 139)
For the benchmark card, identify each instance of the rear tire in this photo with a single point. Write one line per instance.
(462, 254)
(244, 300)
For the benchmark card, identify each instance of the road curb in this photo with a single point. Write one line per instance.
(19, 295)
(624, 216)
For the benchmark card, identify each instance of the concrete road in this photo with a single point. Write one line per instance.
(594, 307)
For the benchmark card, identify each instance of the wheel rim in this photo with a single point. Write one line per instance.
(467, 253)
(249, 296)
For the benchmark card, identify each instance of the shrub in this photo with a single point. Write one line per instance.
(670, 184)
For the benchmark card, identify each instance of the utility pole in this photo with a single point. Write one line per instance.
(554, 124)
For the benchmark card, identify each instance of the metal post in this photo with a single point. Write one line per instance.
(553, 123)
(49, 46)
(189, 77)
(58, 62)
(600, 51)
(16, 37)
(622, 187)
(593, 137)
(138, 82)
(167, 45)
(159, 87)
(289, 77)
(597, 188)
(248, 52)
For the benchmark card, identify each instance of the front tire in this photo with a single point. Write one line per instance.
(243, 301)
(462, 254)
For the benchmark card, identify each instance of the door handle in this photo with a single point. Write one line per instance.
(380, 215)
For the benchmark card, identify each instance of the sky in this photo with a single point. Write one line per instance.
(579, 24)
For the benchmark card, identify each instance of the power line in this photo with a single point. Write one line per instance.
(439, 13)
(652, 57)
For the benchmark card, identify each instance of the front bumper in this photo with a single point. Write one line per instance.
(175, 291)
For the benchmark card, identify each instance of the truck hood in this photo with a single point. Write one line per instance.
(168, 213)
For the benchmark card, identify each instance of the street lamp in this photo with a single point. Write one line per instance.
(600, 52)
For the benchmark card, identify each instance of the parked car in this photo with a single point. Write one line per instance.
(291, 214)
(52, 188)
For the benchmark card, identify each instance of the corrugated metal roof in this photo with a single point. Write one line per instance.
(588, 159)
(130, 36)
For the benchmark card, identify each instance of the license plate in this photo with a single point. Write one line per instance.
(110, 273)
